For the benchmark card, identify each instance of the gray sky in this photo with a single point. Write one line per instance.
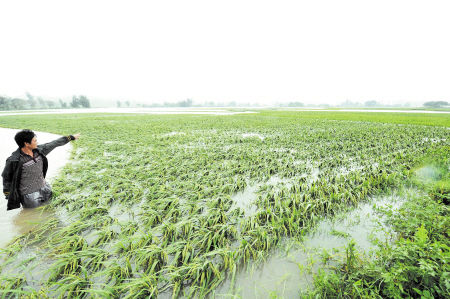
(243, 51)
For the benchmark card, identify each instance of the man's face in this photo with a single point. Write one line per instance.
(33, 144)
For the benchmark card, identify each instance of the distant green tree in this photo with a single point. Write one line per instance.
(435, 104)
(5, 103)
(31, 102)
(62, 104)
(75, 102)
(371, 104)
(41, 102)
(50, 104)
(185, 103)
(84, 101)
(295, 104)
(18, 104)
(349, 103)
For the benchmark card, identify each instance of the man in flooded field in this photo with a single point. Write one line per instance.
(24, 174)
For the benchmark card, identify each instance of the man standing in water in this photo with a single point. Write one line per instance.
(24, 174)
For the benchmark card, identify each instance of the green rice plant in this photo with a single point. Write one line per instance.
(71, 285)
(12, 286)
(39, 233)
(104, 236)
(150, 217)
(178, 192)
(102, 291)
(151, 259)
(142, 287)
(72, 244)
(203, 272)
(94, 258)
(66, 263)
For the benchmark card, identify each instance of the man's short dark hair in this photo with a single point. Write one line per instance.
(24, 136)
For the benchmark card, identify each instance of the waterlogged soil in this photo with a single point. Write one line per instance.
(289, 271)
(19, 221)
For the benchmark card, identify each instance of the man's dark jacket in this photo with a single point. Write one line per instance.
(13, 170)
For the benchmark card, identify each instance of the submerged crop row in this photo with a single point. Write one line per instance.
(151, 201)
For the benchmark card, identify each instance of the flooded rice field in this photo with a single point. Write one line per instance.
(180, 206)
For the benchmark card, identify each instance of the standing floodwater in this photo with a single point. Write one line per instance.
(18, 221)
(289, 270)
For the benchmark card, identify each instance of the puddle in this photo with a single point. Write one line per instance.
(119, 212)
(19, 221)
(314, 176)
(173, 134)
(352, 168)
(290, 270)
(428, 173)
(276, 180)
(250, 135)
(246, 199)
(433, 140)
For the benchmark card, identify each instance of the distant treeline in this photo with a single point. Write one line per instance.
(81, 101)
(436, 104)
(31, 102)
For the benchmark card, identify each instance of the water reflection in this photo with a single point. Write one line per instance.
(26, 219)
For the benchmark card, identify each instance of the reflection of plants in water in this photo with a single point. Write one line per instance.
(184, 233)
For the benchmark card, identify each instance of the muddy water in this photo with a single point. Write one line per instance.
(19, 221)
(290, 270)
(246, 199)
(427, 173)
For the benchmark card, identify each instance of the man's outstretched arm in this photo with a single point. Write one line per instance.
(46, 148)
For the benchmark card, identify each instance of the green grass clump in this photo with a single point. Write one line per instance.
(414, 266)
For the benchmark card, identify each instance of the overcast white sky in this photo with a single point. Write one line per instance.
(244, 51)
